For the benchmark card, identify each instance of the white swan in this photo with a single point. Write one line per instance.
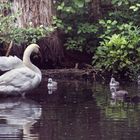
(22, 75)
(52, 86)
(113, 82)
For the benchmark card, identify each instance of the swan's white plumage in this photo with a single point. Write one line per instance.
(23, 75)
(113, 82)
(9, 63)
(18, 80)
(51, 83)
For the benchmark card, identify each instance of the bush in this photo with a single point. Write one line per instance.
(119, 49)
(126, 10)
(74, 21)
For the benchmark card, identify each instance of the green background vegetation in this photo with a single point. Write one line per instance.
(113, 38)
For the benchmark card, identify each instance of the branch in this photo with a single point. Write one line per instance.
(9, 48)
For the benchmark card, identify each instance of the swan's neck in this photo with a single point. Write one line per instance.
(112, 81)
(26, 57)
(27, 61)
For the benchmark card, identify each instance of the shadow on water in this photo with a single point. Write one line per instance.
(76, 110)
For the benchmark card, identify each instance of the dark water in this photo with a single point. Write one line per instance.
(77, 110)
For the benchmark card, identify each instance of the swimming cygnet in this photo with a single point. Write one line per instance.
(113, 82)
(51, 83)
(119, 93)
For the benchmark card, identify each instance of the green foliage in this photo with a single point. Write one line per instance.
(73, 20)
(111, 52)
(4, 6)
(135, 7)
(83, 33)
(119, 3)
(86, 28)
(119, 49)
(6, 23)
(75, 43)
(9, 32)
(67, 9)
(110, 27)
(30, 34)
(126, 10)
(120, 39)
(116, 37)
(58, 23)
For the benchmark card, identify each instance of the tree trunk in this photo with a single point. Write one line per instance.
(35, 12)
(96, 10)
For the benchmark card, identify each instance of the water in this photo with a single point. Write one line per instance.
(76, 110)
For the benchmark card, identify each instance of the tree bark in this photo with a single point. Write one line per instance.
(96, 10)
(35, 12)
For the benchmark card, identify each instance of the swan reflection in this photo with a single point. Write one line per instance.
(17, 116)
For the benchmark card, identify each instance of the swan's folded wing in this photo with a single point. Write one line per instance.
(19, 80)
(9, 63)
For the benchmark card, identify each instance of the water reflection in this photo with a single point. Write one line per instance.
(51, 90)
(73, 119)
(77, 110)
(119, 120)
(17, 116)
(52, 86)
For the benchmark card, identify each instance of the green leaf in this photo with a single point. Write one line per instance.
(138, 4)
(101, 21)
(119, 3)
(87, 0)
(59, 7)
(69, 28)
(132, 7)
(79, 3)
(136, 9)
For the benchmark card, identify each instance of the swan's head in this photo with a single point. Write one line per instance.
(112, 79)
(30, 49)
(34, 48)
(113, 82)
(50, 80)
